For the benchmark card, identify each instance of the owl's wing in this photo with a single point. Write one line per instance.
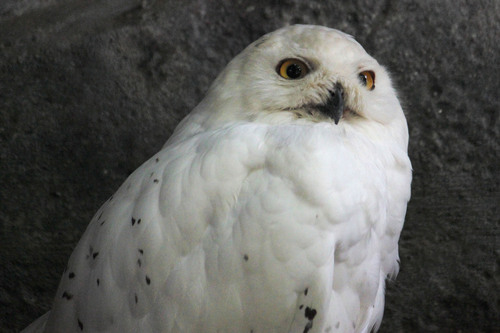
(156, 219)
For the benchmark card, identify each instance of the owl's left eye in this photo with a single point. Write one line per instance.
(292, 69)
(367, 78)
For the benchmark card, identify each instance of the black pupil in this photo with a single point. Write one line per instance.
(293, 71)
(363, 78)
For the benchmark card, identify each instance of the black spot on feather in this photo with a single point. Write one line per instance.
(301, 306)
(157, 160)
(245, 257)
(156, 180)
(67, 295)
(135, 297)
(103, 222)
(80, 324)
(95, 254)
(309, 325)
(141, 251)
(139, 262)
(148, 280)
(310, 313)
(305, 291)
(139, 221)
(71, 275)
(133, 221)
(97, 281)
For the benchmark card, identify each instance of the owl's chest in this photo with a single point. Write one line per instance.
(289, 233)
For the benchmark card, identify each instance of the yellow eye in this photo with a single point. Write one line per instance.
(292, 69)
(367, 78)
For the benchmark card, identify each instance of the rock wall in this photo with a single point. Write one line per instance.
(90, 89)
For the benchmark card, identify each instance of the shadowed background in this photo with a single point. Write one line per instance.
(91, 89)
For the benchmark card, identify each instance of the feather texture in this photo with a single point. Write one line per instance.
(257, 215)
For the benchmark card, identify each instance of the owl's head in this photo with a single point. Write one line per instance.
(304, 73)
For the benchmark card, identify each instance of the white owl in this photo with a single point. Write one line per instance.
(276, 205)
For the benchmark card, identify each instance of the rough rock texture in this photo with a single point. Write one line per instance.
(91, 89)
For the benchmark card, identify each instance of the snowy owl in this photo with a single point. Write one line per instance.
(275, 206)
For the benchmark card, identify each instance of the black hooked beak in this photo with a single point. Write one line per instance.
(334, 106)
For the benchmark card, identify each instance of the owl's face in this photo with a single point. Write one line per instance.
(309, 72)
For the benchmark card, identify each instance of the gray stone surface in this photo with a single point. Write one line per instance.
(91, 89)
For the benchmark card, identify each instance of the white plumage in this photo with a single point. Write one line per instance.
(260, 213)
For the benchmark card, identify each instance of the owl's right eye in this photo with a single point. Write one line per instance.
(292, 69)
